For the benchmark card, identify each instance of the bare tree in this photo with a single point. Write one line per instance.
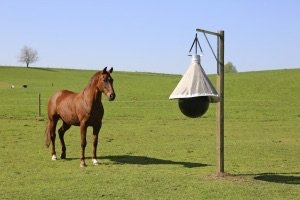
(28, 55)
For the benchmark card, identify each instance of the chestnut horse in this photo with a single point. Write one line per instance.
(79, 109)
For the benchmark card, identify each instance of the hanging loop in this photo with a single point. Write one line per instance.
(196, 43)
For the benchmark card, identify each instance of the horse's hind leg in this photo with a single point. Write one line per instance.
(61, 133)
(52, 127)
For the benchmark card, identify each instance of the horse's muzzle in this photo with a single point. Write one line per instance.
(112, 97)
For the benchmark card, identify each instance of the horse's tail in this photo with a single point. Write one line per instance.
(47, 136)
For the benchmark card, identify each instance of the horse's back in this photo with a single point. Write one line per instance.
(60, 96)
(61, 103)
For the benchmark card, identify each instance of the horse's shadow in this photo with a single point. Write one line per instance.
(283, 178)
(145, 160)
(286, 178)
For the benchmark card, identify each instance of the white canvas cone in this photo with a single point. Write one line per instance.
(195, 83)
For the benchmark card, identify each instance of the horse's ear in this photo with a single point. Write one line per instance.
(111, 70)
(104, 70)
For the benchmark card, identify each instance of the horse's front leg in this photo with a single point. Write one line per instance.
(83, 129)
(96, 130)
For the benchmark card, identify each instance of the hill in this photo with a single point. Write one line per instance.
(148, 149)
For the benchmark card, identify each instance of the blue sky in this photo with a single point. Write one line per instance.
(151, 36)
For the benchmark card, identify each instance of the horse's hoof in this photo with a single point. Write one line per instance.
(54, 157)
(82, 165)
(63, 156)
(95, 161)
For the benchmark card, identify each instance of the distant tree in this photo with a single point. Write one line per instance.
(28, 55)
(230, 68)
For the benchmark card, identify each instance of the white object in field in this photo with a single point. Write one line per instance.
(195, 83)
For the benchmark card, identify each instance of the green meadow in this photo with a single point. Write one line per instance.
(148, 149)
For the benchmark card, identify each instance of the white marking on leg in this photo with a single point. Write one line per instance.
(54, 157)
(95, 161)
(82, 164)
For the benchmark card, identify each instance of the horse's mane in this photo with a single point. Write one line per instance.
(92, 79)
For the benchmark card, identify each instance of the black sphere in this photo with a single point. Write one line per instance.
(194, 107)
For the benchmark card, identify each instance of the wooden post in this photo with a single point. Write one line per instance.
(220, 106)
(39, 105)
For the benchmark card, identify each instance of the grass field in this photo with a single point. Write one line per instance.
(148, 149)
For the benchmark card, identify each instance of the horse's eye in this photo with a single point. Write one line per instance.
(108, 79)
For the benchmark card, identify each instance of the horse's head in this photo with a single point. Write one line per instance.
(105, 84)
